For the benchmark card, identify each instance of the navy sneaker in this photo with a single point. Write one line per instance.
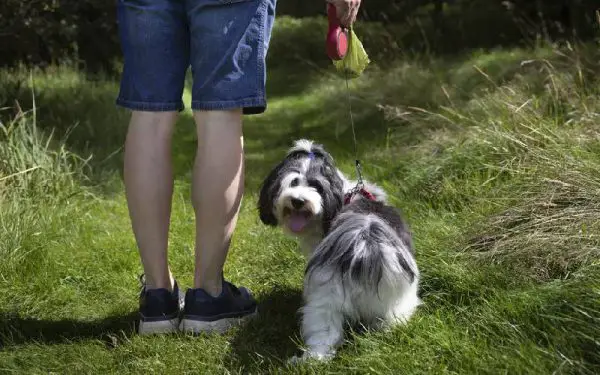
(159, 310)
(205, 313)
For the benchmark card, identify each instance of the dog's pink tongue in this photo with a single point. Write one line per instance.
(297, 222)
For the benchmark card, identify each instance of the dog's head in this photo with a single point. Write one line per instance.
(304, 192)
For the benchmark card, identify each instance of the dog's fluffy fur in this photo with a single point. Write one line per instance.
(361, 267)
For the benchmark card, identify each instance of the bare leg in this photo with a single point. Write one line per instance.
(217, 190)
(149, 188)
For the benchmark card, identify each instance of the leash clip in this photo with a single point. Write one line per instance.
(360, 186)
(359, 183)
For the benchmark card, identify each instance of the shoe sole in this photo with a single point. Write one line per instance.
(217, 326)
(160, 327)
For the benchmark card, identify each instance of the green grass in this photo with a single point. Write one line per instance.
(493, 157)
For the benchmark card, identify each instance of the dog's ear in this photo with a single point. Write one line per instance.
(332, 205)
(268, 191)
(333, 198)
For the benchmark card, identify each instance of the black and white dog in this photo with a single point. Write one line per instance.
(361, 267)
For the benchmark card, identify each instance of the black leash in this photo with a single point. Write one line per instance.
(359, 183)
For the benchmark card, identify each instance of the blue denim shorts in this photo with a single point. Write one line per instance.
(224, 41)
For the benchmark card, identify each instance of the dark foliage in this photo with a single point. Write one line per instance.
(40, 32)
(445, 26)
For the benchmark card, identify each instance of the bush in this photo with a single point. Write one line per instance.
(40, 32)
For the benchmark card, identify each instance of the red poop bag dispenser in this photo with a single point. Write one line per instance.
(337, 36)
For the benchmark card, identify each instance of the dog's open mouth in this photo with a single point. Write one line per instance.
(297, 220)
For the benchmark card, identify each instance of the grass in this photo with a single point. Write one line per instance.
(493, 157)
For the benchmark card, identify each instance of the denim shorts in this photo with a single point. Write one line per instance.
(224, 41)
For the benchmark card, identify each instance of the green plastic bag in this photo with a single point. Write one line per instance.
(356, 59)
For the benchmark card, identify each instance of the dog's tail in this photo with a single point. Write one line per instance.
(367, 251)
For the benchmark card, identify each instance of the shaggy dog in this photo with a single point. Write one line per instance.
(361, 267)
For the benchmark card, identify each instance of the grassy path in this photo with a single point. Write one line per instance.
(496, 173)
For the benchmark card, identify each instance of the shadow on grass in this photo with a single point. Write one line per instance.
(16, 330)
(271, 336)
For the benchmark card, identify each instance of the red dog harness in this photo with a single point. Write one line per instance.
(361, 191)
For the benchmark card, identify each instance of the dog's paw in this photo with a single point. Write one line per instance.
(311, 356)
(295, 360)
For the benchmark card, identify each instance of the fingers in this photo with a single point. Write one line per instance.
(342, 11)
(346, 10)
(353, 14)
(351, 11)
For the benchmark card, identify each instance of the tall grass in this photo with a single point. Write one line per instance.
(515, 164)
(527, 145)
(38, 176)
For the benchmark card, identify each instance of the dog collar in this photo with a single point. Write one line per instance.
(362, 191)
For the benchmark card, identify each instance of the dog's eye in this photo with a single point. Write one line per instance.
(295, 182)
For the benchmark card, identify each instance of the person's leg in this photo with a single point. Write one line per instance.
(155, 42)
(148, 178)
(218, 182)
(228, 48)
(217, 189)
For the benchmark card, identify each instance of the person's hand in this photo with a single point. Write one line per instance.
(346, 10)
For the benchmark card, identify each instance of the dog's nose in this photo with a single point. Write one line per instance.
(297, 203)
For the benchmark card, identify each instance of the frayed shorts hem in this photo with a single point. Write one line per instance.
(149, 106)
(249, 106)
